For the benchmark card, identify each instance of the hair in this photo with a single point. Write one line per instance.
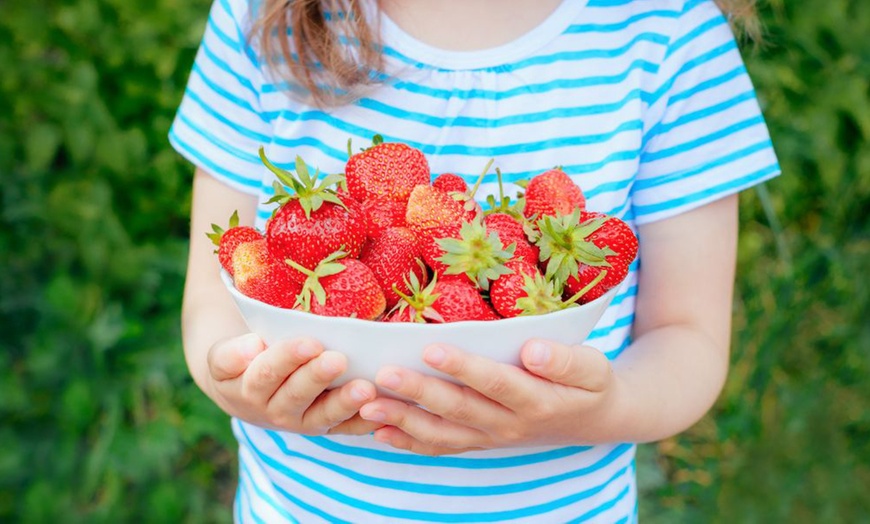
(314, 58)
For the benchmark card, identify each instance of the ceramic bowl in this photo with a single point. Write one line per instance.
(370, 345)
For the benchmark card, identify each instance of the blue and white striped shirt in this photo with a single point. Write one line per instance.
(645, 103)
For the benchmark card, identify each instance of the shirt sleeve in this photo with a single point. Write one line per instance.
(705, 136)
(220, 124)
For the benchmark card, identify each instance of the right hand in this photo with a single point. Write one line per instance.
(283, 386)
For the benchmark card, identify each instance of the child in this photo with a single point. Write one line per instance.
(645, 103)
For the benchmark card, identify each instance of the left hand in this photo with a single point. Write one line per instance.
(565, 395)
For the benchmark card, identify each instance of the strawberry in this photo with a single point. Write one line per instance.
(474, 252)
(388, 170)
(391, 256)
(620, 242)
(382, 214)
(341, 287)
(508, 288)
(442, 301)
(552, 193)
(458, 300)
(511, 231)
(259, 275)
(430, 207)
(314, 222)
(227, 241)
(450, 183)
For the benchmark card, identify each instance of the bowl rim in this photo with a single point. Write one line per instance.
(358, 322)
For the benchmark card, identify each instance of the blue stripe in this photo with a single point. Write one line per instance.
(578, 56)
(448, 461)
(481, 122)
(448, 489)
(737, 72)
(607, 3)
(212, 26)
(713, 23)
(491, 516)
(241, 37)
(700, 114)
(220, 63)
(613, 354)
(214, 86)
(621, 322)
(237, 504)
(210, 166)
(645, 184)
(721, 189)
(251, 510)
(248, 479)
(241, 154)
(545, 87)
(725, 132)
(701, 59)
(619, 26)
(610, 504)
(235, 126)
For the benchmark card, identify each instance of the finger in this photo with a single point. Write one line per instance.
(507, 385)
(578, 366)
(422, 425)
(458, 404)
(337, 406)
(356, 425)
(230, 358)
(302, 388)
(272, 367)
(399, 439)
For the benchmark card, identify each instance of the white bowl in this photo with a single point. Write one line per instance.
(370, 345)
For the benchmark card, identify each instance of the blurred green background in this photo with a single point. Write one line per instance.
(101, 422)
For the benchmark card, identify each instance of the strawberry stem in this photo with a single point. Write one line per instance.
(480, 178)
(598, 278)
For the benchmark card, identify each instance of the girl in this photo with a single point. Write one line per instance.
(645, 103)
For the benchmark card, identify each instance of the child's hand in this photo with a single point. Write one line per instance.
(566, 395)
(283, 386)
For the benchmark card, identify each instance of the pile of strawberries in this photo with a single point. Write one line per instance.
(384, 242)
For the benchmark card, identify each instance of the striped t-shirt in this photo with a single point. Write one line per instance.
(645, 103)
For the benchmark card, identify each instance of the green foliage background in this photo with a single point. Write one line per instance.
(101, 422)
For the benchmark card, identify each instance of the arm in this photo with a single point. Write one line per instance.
(663, 383)
(281, 386)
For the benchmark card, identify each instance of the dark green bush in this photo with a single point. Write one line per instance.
(101, 422)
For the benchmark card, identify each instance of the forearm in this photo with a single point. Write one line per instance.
(666, 381)
(207, 317)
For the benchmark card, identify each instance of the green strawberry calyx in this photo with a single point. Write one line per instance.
(477, 252)
(564, 244)
(312, 286)
(305, 187)
(420, 299)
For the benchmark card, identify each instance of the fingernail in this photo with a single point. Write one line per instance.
(250, 345)
(374, 416)
(390, 380)
(329, 365)
(359, 394)
(435, 355)
(305, 349)
(539, 354)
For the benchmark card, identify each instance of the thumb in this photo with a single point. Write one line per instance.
(230, 357)
(578, 366)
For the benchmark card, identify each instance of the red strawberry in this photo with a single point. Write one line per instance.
(388, 170)
(442, 301)
(430, 207)
(507, 289)
(227, 241)
(262, 277)
(314, 222)
(474, 252)
(459, 300)
(511, 231)
(620, 242)
(552, 193)
(450, 183)
(341, 287)
(391, 256)
(383, 214)
(429, 248)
